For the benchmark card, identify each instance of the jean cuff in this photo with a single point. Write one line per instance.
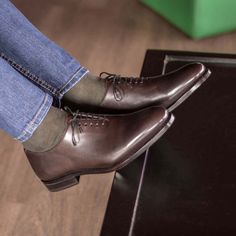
(37, 119)
(79, 74)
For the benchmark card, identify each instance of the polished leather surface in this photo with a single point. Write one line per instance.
(162, 90)
(103, 143)
(185, 185)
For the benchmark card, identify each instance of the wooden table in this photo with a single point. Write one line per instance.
(185, 184)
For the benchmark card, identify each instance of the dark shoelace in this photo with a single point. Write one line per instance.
(76, 119)
(118, 79)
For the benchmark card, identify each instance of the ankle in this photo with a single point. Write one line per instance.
(88, 91)
(49, 133)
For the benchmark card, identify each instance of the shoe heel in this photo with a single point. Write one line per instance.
(61, 183)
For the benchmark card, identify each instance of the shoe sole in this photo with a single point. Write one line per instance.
(73, 179)
(204, 77)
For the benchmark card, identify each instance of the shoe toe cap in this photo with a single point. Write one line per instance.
(151, 121)
(191, 73)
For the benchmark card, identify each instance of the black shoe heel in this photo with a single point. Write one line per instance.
(61, 183)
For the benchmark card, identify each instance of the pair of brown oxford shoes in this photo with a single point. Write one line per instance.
(133, 115)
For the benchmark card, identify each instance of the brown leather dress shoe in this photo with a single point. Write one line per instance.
(127, 94)
(98, 144)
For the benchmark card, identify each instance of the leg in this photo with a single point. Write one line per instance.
(34, 55)
(48, 65)
(23, 106)
(26, 112)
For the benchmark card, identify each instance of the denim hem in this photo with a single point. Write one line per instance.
(79, 74)
(55, 92)
(37, 119)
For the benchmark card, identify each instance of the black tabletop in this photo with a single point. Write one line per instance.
(186, 183)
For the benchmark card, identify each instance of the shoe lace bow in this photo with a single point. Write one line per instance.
(80, 119)
(116, 80)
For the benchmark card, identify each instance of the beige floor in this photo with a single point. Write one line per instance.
(108, 35)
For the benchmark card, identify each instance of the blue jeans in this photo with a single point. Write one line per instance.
(34, 73)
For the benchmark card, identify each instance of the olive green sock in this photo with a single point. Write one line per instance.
(49, 133)
(88, 91)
